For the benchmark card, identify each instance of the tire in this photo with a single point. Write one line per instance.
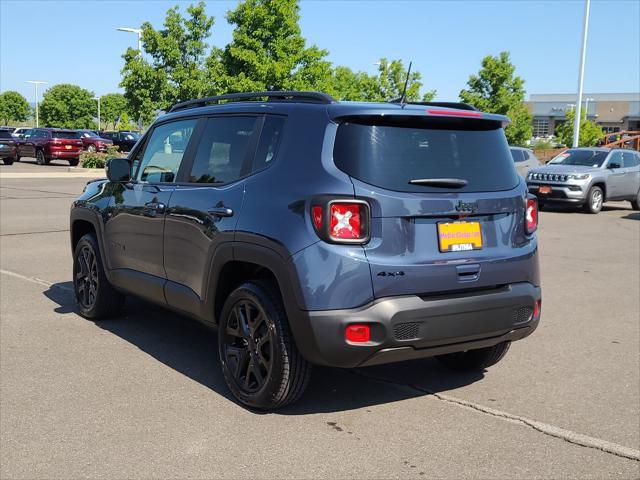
(635, 204)
(7, 161)
(475, 360)
(74, 162)
(40, 160)
(595, 199)
(91, 148)
(89, 277)
(274, 374)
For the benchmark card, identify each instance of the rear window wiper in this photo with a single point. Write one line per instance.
(440, 182)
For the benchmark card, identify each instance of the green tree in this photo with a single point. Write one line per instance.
(112, 105)
(496, 89)
(268, 52)
(590, 132)
(68, 106)
(13, 107)
(176, 70)
(123, 122)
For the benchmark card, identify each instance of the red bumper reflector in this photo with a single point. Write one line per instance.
(357, 333)
(536, 309)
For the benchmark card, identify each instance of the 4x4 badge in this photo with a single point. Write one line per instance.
(467, 206)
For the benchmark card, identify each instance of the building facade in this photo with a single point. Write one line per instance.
(614, 112)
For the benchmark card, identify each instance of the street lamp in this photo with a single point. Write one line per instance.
(98, 99)
(137, 31)
(36, 83)
(585, 31)
(586, 106)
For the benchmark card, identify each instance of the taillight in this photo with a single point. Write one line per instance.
(531, 216)
(537, 309)
(341, 221)
(357, 333)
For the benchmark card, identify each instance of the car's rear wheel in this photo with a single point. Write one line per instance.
(635, 204)
(91, 148)
(595, 199)
(74, 162)
(95, 296)
(475, 360)
(40, 160)
(259, 358)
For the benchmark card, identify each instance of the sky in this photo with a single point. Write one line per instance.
(77, 41)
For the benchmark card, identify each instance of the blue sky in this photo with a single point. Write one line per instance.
(77, 42)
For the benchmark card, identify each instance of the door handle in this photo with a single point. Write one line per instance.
(151, 209)
(220, 211)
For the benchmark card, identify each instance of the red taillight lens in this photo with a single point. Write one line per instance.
(531, 215)
(357, 333)
(346, 221)
(536, 309)
(316, 216)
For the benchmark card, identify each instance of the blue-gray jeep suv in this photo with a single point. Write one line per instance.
(311, 231)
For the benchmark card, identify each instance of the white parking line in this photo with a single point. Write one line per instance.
(545, 428)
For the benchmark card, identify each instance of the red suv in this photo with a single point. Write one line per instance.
(93, 142)
(46, 144)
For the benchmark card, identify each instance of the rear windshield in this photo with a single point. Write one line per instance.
(59, 134)
(584, 158)
(390, 154)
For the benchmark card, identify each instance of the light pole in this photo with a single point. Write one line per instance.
(585, 31)
(36, 83)
(137, 31)
(98, 99)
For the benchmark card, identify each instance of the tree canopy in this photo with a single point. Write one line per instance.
(112, 107)
(13, 107)
(496, 89)
(590, 132)
(68, 106)
(267, 52)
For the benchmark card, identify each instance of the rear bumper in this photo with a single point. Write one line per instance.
(409, 327)
(64, 154)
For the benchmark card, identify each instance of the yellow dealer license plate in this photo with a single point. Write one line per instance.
(459, 236)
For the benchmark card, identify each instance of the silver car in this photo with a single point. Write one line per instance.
(588, 177)
(525, 160)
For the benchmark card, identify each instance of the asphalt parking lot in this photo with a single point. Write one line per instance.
(142, 396)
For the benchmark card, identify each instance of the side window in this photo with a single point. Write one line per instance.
(616, 157)
(269, 141)
(164, 151)
(526, 154)
(223, 149)
(517, 155)
(633, 161)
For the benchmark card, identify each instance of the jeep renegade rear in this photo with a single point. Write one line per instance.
(310, 231)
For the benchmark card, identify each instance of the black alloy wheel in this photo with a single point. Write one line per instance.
(248, 346)
(86, 277)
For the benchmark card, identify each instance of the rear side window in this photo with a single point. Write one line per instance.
(269, 142)
(389, 155)
(223, 149)
(67, 135)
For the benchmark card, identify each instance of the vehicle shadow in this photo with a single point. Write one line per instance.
(579, 210)
(633, 216)
(191, 349)
(52, 163)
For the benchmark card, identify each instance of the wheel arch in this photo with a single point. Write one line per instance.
(83, 221)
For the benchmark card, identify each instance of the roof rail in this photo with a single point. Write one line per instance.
(458, 105)
(282, 96)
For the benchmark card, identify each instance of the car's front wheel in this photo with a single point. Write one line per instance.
(258, 355)
(475, 360)
(595, 199)
(95, 296)
(635, 204)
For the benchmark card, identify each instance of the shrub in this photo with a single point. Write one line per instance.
(99, 159)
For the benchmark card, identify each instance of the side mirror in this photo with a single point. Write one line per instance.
(118, 170)
(613, 165)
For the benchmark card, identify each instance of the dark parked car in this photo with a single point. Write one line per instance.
(93, 142)
(310, 231)
(8, 151)
(46, 144)
(125, 141)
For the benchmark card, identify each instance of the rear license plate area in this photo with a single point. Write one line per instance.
(459, 236)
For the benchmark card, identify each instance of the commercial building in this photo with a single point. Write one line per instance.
(614, 112)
